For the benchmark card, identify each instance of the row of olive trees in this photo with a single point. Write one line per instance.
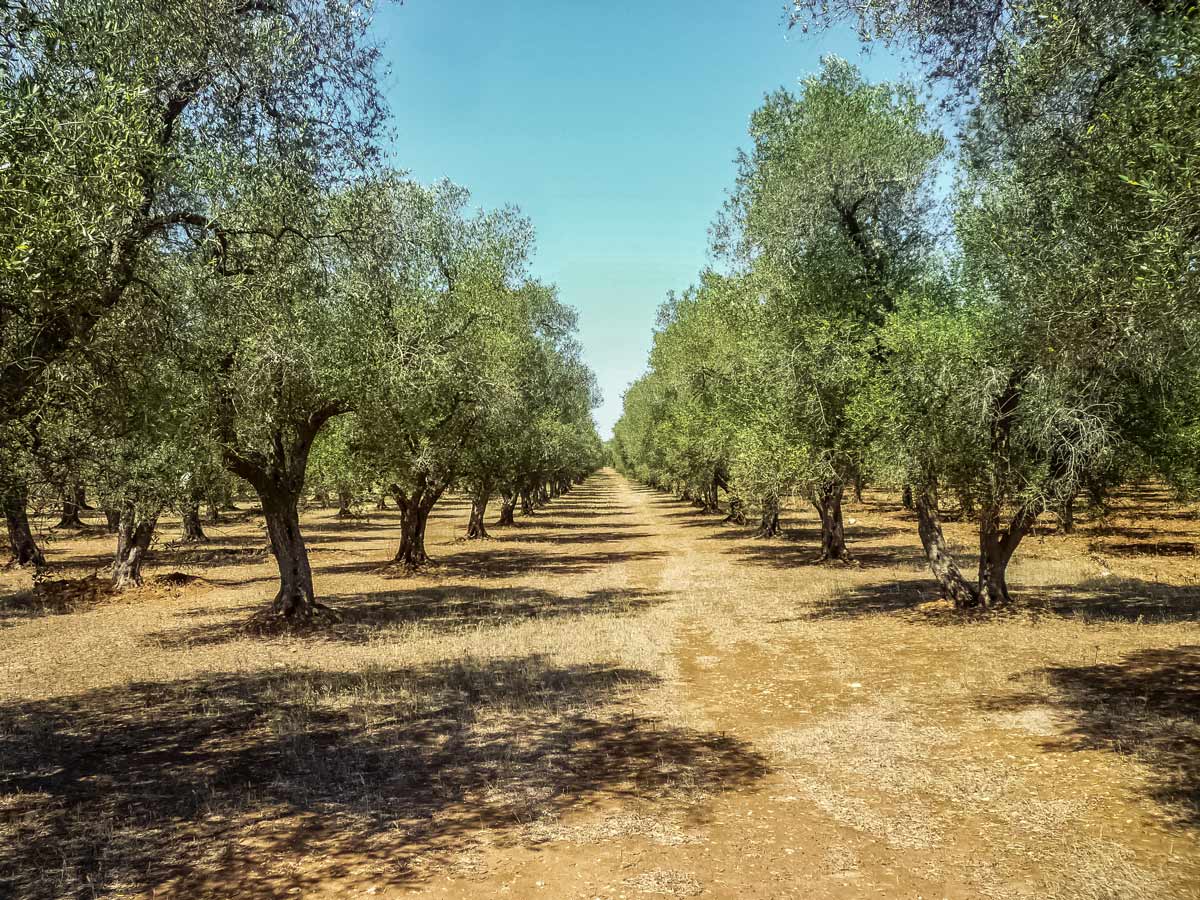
(207, 273)
(1045, 342)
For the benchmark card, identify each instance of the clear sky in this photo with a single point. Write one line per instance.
(613, 126)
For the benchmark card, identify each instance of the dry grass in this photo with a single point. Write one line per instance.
(617, 684)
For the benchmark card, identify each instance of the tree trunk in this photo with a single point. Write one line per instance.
(214, 512)
(929, 524)
(737, 511)
(296, 600)
(828, 501)
(526, 502)
(769, 523)
(508, 505)
(996, 548)
(858, 487)
(70, 508)
(193, 530)
(476, 529)
(906, 496)
(345, 501)
(381, 501)
(1066, 515)
(112, 518)
(415, 507)
(133, 542)
(21, 543)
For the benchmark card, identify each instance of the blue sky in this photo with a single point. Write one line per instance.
(613, 126)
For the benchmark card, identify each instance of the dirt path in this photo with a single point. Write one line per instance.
(620, 697)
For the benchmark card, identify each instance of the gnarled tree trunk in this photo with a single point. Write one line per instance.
(193, 530)
(508, 505)
(929, 524)
(997, 544)
(906, 496)
(414, 507)
(737, 511)
(133, 543)
(476, 528)
(295, 601)
(21, 543)
(70, 507)
(112, 518)
(828, 501)
(768, 525)
(345, 503)
(526, 502)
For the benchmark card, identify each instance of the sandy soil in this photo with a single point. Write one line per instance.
(619, 697)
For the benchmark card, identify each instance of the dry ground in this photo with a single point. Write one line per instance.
(617, 698)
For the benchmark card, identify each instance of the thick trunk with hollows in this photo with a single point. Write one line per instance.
(828, 501)
(768, 525)
(133, 543)
(508, 506)
(193, 529)
(22, 545)
(476, 528)
(929, 525)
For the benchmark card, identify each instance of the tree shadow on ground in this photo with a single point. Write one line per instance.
(443, 609)
(1093, 599)
(270, 784)
(1146, 706)
(547, 536)
(494, 562)
(801, 546)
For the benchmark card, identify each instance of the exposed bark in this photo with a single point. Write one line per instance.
(193, 530)
(828, 501)
(21, 543)
(768, 525)
(997, 544)
(906, 496)
(277, 477)
(737, 511)
(929, 524)
(133, 543)
(295, 601)
(70, 508)
(1066, 515)
(381, 501)
(526, 502)
(476, 528)
(112, 518)
(415, 506)
(214, 512)
(345, 502)
(508, 506)
(858, 487)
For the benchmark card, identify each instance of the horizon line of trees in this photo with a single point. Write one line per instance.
(1030, 339)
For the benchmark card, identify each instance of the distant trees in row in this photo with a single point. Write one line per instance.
(208, 274)
(1032, 338)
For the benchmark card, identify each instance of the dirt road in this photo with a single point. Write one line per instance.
(619, 697)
